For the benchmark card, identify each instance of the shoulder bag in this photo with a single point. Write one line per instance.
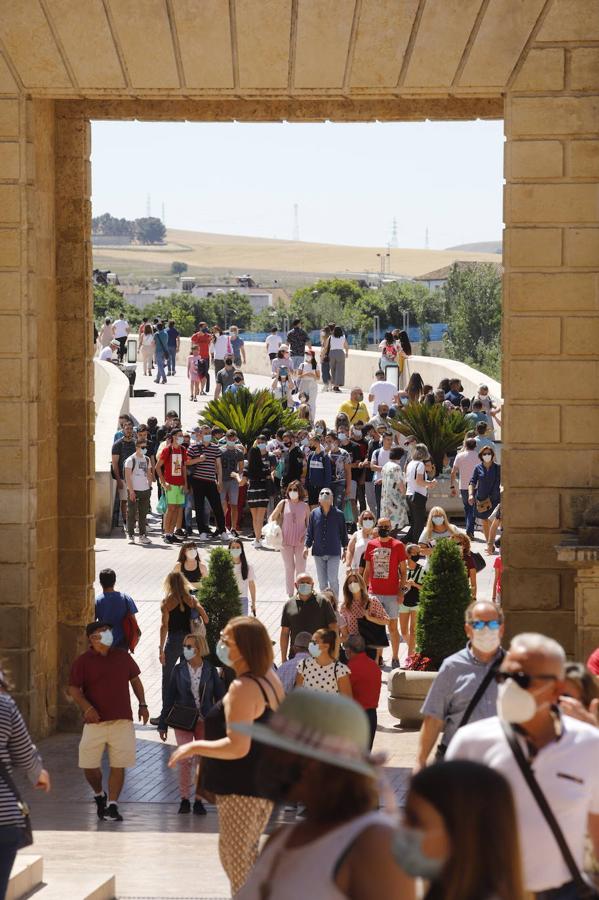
(373, 633)
(478, 560)
(26, 830)
(185, 717)
(486, 504)
(584, 890)
(442, 748)
(131, 629)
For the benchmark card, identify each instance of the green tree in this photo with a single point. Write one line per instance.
(150, 230)
(108, 301)
(249, 413)
(177, 268)
(444, 596)
(107, 224)
(184, 321)
(473, 300)
(232, 308)
(442, 430)
(219, 595)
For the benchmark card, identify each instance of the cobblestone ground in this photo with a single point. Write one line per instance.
(154, 852)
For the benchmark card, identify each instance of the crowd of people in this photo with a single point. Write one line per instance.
(255, 728)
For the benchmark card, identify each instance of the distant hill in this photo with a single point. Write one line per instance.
(480, 247)
(239, 254)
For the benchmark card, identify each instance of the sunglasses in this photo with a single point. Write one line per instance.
(521, 678)
(493, 625)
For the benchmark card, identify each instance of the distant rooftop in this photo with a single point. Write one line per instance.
(443, 274)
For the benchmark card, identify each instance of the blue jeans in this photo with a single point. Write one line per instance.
(469, 513)
(566, 891)
(296, 361)
(10, 841)
(161, 374)
(327, 569)
(172, 360)
(188, 509)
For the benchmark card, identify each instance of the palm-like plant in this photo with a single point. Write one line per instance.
(442, 430)
(249, 413)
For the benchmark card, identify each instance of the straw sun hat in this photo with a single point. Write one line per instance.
(328, 727)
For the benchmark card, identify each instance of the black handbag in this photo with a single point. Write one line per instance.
(478, 560)
(183, 717)
(26, 830)
(374, 634)
(584, 890)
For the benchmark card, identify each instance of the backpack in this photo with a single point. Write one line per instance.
(131, 629)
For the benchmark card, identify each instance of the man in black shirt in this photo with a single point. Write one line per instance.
(307, 611)
(225, 377)
(297, 340)
(122, 450)
(295, 460)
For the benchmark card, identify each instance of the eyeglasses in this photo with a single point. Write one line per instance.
(493, 625)
(521, 678)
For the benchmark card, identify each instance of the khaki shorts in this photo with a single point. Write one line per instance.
(123, 492)
(118, 736)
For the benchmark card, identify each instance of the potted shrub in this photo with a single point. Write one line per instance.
(249, 413)
(444, 596)
(219, 595)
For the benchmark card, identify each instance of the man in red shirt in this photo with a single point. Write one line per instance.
(202, 338)
(99, 685)
(171, 473)
(385, 575)
(365, 678)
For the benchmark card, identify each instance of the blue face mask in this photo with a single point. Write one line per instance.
(222, 651)
(313, 649)
(261, 446)
(207, 438)
(106, 638)
(407, 850)
(189, 653)
(231, 443)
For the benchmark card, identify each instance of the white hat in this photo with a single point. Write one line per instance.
(328, 727)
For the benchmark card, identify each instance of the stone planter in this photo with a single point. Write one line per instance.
(441, 496)
(407, 691)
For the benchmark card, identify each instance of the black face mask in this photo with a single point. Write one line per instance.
(384, 531)
(274, 782)
(416, 557)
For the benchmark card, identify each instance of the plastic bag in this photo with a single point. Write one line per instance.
(348, 513)
(272, 536)
(162, 505)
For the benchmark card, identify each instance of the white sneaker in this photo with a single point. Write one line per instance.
(227, 536)
(204, 537)
(257, 545)
(144, 539)
(131, 540)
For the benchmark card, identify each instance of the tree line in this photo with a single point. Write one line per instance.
(147, 230)
(469, 303)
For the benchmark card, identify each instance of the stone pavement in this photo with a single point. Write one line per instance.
(155, 852)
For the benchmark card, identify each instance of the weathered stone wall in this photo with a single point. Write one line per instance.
(551, 322)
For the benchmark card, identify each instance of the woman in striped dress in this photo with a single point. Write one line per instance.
(18, 751)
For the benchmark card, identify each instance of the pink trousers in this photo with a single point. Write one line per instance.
(187, 768)
(294, 562)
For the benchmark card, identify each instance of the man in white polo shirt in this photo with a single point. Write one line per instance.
(562, 752)
(381, 391)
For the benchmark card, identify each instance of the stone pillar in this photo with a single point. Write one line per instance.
(551, 327)
(76, 414)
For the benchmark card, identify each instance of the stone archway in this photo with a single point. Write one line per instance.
(536, 65)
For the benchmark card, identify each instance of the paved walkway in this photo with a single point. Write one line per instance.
(154, 852)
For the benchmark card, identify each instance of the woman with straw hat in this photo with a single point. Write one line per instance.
(319, 757)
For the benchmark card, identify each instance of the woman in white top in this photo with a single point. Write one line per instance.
(309, 373)
(437, 527)
(417, 487)
(338, 353)
(244, 576)
(146, 346)
(220, 348)
(357, 543)
(317, 755)
(321, 671)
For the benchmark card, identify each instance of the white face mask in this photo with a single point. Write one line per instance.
(191, 555)
(355, 587)
(293, 495)
(514, 704)
(486, 457)
(438, 520)
(486, 640)
(367, 524)
(235, 552)
(106, 638)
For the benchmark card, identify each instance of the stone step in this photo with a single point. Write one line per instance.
(60, 885)
(27, 873)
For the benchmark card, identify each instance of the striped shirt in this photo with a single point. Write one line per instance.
(16, 750)
(205, 470)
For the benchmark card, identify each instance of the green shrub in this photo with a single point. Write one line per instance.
(444, 596)
(219, 595)
(441, 429)
(249, 413)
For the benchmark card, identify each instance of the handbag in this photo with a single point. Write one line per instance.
(26, 829)
(132, 632)
(183, 717)
(584, 889)
(374, 634)
(483, 505)
(273, 536)
(477, 559)
(442, 748)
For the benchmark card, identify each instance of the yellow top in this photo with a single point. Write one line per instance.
(354, 412)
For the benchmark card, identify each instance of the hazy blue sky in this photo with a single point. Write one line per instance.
(348, 180)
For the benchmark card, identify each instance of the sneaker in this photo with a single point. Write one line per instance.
(101, 805)
(180, 532)
(226, 535)
(198, 808)
(169, 539)
(204, 536)
(144, 539)
(257, 545)
(177, 539)
(131, 539)
(188, 532)
(395, 663)
(112, 813)
(184, 806)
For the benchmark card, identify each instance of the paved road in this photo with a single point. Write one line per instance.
(157, 853)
